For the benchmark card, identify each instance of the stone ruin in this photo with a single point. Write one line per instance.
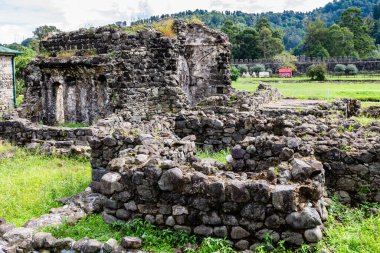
(173, 96)
(94, 73)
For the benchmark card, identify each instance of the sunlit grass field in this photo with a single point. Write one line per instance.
(315, 90)
(31, 183)
(304, 78)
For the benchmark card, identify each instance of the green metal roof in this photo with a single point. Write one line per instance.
(4, 50)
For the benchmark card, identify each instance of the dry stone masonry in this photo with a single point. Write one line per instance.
(93, 73)
(153, 102)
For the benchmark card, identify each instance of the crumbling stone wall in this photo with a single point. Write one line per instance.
(349, 151)
(203, 61)
(93, 73)
(6, 82)
(159, 179)
(47, 139)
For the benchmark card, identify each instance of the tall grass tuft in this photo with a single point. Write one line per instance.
(220, 156)
(165, 27)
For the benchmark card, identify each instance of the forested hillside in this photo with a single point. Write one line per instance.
(292, 23)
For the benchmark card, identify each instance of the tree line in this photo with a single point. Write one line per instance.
(349, 37)
(290, 22)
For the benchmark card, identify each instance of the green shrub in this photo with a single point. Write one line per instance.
(257, 68)
(351, 69)
(317, 72)
(235, 73)
(243, 69)
(340, 69)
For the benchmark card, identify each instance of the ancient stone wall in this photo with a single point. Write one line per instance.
(47, 139)
(6, 82)
(93, 73)
(350, 153)
(159, 179)
(203, 61)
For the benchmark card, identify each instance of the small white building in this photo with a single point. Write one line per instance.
(246, 75)
(7, 78)
(264, 74)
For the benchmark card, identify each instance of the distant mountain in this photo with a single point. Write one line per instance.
(291, 22)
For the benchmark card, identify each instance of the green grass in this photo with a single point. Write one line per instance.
(351, 230)
(154, 239)
(365, 120)
(73, 125)
(303, 78)
(312, 90)
(368, 104)
(19, 100)
(219, 156)
(31, 183)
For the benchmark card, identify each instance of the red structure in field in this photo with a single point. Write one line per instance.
(285, 73)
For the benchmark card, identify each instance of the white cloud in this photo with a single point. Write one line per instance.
(18, 18)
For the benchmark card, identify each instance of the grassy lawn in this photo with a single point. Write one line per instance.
(357, 78)
(368, 104)
(313, 90)
(31, 183)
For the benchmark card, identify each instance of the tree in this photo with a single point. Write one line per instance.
(319, 51)
(231, 30)
(340, 41)
(45, 30)
(316, 34)
(261, 23)
(20, 63)
(247, 45)
(235, 74)
(268, 45)
(286, 60)
(376, 23)
(376, 11)
(363, 43)
(317, 72)
(257, 68)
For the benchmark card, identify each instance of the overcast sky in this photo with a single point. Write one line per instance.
(18, 18)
